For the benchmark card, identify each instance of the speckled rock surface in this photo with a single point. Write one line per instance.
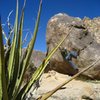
(84, 36)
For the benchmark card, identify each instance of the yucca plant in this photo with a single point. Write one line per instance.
(13, 64)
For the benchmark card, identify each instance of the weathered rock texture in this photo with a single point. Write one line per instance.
(75, 90)
(84, 36)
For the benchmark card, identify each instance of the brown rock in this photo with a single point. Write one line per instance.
(84, 37)
(36, 59)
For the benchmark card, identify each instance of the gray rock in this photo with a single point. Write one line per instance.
(84, 36)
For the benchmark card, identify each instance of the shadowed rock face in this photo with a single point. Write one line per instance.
(84, 36)
(36, 59)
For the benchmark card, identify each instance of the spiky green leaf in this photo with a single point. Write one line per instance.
(18, 54)
(13, 46)
(27, 56)
(3, 85)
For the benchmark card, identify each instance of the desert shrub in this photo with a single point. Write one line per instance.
(13, 64)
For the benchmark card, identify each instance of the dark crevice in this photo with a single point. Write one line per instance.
(83, 34)
(91, 42)
(80, 38)
(79, 26)
(86, 46)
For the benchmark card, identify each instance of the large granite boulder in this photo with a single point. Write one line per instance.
(84, 36)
